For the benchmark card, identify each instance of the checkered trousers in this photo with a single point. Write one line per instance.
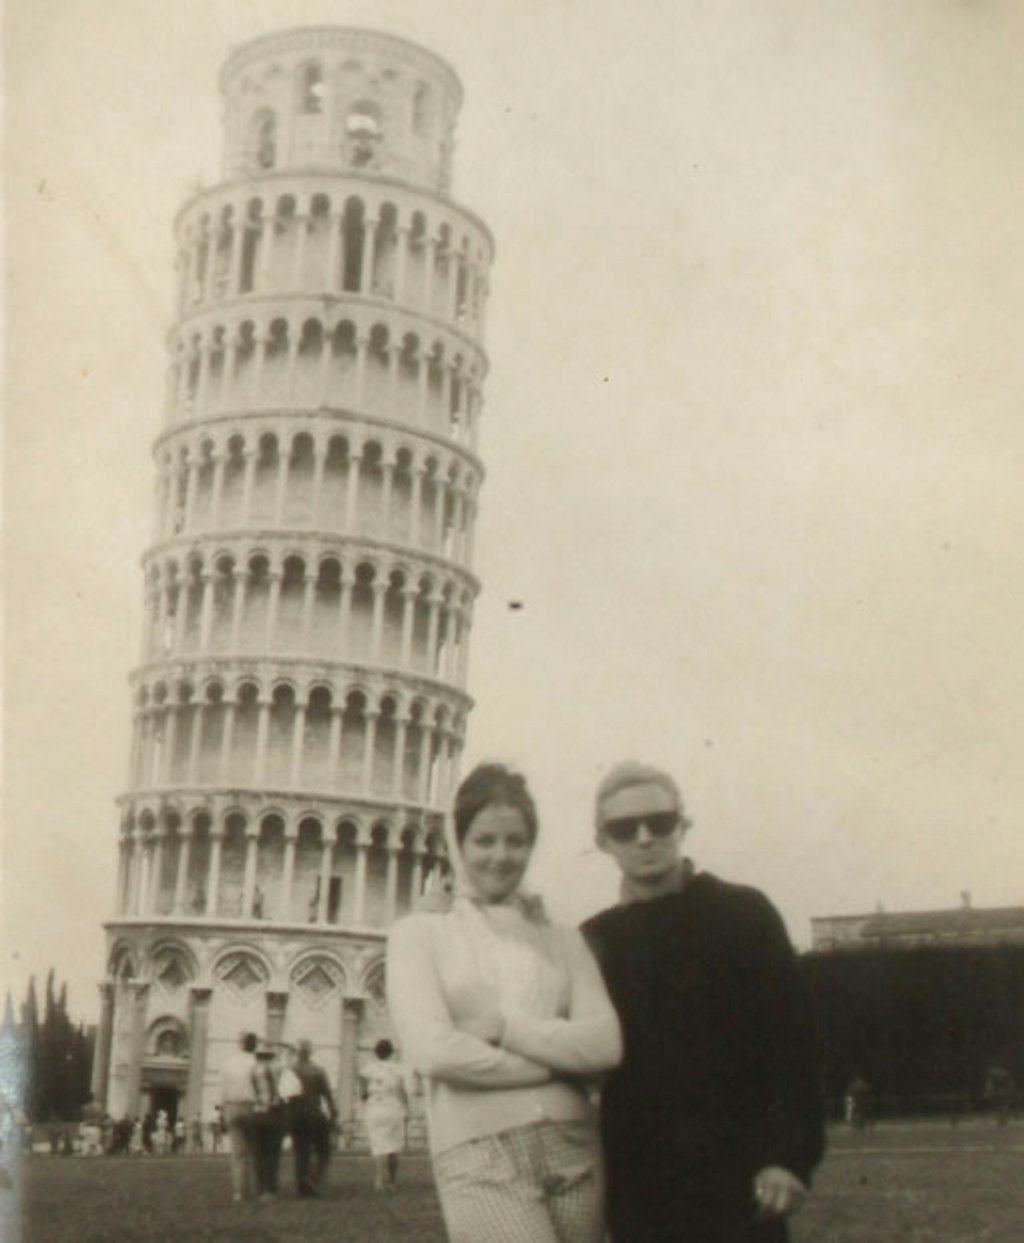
(540, 1183)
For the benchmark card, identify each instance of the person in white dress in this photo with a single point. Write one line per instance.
(384, 1111)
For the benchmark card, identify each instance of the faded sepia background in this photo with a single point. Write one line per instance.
(754, 426)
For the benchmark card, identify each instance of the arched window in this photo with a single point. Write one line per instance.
(363, 131)
(266, 144)
(263, 139)
(421, 109)
(311, 88)
(168, 1044)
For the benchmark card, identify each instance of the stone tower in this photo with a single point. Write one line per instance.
(299, 701)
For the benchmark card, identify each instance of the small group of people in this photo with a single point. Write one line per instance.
(154, 1134)
(269, 1091)
(651, 1076)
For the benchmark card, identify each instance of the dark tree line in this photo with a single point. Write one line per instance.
(923, 1026)
(52, 1055)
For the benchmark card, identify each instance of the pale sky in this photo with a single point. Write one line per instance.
(754, 427)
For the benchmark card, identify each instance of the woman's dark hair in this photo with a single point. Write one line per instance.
(383, 1049)
(493, 785)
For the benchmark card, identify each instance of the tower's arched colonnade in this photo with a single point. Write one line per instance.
(299, 704)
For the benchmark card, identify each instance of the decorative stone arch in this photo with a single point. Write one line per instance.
(123, 962)
(172, 966)
(418, 706)
(246, 338)
(285, 204)
(308, 813)
(243, 683)
(318, 977)
(374, 984)
(357, 689)
(275, 810)
(242, 970)
(171, 809)
(379, 337)
(211, 690)
(257, 552)
(231, 806)
(383, 832)
(166, 1039)
(205, 444)
(327, 557)
(148, 816)
(324, 692)
(349, 825)
(284, 686)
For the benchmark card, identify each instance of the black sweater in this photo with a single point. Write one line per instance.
(717, 1027)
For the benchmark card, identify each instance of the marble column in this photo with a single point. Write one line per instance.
(409, 595)
(181, 879)
(344, 609)
(274, 597)
(380, 590)
(298, 739)
(101, 1054)
(359, 908)
(326, 864)
(291, 834)
(334, 746)
(352, 493)
(227, 740)
(252, 841)
(139, 1002)
(348, 1070)
(213, 885)
(217, 490)
(391, 885)
(198, 1034)
(369, 746)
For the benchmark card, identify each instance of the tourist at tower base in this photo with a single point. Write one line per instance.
(384, 1113)
(312, 1122)
(269, 1121)
(238, 1101)
(713, 1123)
(506, 1015)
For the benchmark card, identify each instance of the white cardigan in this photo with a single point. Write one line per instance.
(559, 1021)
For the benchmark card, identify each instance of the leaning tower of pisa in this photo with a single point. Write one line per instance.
(300, 702)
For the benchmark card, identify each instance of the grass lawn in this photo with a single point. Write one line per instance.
(897, 1183)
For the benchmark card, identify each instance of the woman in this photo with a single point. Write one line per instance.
(504, 1015)
(384, 1114)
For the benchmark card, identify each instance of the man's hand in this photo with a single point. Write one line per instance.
(778, 1192)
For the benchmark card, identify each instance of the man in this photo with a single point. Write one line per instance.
(238, 1101)
(268, 1122)
(310, 1127)
(712, 1125)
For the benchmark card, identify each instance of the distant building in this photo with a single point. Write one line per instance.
(963, 925)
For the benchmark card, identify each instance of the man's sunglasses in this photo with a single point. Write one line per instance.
(625, 828)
